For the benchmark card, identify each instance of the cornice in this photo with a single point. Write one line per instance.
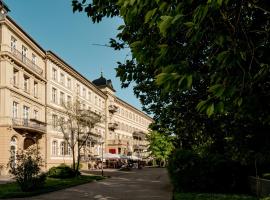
(127, 105)
(12, 25)
(74, 73)
(24, 95)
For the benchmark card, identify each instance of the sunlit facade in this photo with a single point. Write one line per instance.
(33, 85)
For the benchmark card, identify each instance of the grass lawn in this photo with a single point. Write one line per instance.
(11, 190)
(197, 196)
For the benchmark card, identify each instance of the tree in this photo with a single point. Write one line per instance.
(27, 170)
(215, 48)
(175, 43)
(76, 126)
(201, 67)
(160, 146)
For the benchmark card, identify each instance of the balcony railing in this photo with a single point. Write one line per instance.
(29, 63)
(140, 142)
(113, 108)
(29, 124)
(112, 126)
(118, 142)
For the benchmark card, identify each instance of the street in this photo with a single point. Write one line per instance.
(144, 184)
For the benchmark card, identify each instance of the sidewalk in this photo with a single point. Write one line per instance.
(6, 179)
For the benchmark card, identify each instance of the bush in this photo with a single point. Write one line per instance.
(191, 172)
(27, 171)
(61, 171)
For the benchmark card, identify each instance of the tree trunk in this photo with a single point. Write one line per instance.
(73, 159)
(78, 161)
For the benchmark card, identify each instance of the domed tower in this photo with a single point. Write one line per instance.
(105, 85)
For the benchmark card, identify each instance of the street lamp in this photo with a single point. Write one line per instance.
(101, 142)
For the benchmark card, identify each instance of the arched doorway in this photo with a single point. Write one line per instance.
(27, 143)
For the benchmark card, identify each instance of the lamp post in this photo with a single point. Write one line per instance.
(102, 158)
(101, 142)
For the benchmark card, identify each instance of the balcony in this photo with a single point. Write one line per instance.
(113, 109)
(112, 126)
(138, 135)
(32, 125)
(118, 142)
(29, 63)
(140, 144)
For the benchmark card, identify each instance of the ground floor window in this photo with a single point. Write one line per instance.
(54, 148)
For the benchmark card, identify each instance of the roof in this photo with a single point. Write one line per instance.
(103, 82)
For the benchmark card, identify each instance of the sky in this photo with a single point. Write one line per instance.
(53, 25)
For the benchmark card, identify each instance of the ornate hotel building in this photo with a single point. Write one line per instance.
(33, 85)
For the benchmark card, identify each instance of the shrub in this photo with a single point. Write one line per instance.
(27, 171)
(61, 171)
(191, 172)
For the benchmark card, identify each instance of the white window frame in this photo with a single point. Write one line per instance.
(24, 53)
(35, 89)
(54, 95)
(13, 42)
(15, 109)
(54, 147)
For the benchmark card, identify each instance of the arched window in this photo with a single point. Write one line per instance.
(13, 149)
(62, 148)
(54, 148)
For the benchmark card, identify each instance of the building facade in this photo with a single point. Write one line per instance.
(34, 84)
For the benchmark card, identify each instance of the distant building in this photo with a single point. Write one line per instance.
(34, 83)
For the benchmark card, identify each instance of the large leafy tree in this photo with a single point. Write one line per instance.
(209, 56)
(160, 146)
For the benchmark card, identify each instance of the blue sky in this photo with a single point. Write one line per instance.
(54, 26)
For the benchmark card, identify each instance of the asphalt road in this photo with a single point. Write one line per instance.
(144, 184)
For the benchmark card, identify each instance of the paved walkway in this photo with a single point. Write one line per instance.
(145, 184)
(5, 179)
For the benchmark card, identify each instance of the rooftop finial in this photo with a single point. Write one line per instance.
(101, 74)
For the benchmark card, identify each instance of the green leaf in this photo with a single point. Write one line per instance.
(165, 24)
(219, 2)
(210, 110)
(149, 15)
(176, 17)
(121, 27)
(201, 105)
(189, 81)
(240, 101)
(220, 107)
(189, 24)
(135, 44)
(131, 2)
(217, 90)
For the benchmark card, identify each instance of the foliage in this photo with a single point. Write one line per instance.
(191, 172)
(160, 146)
(177, 43)
(27, 170)
(76, 126)
(61, 171)
(12, 190)
(201, 67)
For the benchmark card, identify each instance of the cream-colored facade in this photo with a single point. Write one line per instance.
(34, 83)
